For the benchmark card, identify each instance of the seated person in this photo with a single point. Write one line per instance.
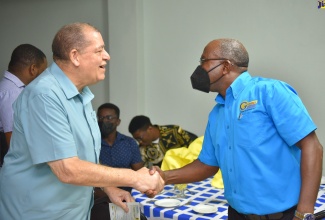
(155, 140)
(118, 150)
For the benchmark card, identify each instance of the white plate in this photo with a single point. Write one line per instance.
(205, 209)
(168, 203)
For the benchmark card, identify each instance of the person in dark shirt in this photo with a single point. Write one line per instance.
(117, 150)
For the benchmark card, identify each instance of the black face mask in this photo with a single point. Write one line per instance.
(106, 128)
(200, 80)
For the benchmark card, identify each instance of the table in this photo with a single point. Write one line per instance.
(201, 193)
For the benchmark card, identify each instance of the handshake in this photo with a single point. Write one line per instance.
(150, 181)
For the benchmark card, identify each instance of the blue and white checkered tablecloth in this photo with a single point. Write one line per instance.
(201, 193)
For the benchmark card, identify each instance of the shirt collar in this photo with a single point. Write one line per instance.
(119, 137)
(69, 89)
(236, 87)
(13, 78)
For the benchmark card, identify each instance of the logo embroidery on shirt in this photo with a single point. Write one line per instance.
(245, 105)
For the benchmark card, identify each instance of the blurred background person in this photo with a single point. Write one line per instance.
(118, 150)
(155, 140)
(26, 63)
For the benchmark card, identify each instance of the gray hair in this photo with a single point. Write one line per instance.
(234, 51)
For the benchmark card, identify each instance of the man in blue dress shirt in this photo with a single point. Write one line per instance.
(118, 150)
(52, 164)
(259, 134)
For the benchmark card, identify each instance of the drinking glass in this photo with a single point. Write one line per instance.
(179, 190)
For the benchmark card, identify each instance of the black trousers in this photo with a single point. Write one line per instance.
(234, 215)
(3, 147)
(100, 211)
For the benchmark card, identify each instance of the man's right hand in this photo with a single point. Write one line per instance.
(152, 171)
(149, 182)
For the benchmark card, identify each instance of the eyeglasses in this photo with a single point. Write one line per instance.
(107, 117)
(202, 60)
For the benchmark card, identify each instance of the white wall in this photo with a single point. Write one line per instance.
(36, 22)
(155, 46)
(283, 39)
(150, 75)
(126, 71)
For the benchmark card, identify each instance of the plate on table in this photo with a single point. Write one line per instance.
(205, 209)
(167, 203)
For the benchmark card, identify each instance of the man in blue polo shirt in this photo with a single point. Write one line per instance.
(259, 134)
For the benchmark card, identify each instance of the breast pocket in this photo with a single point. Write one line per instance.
(250, 128)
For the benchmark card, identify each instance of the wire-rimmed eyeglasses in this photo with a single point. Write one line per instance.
(202, 60)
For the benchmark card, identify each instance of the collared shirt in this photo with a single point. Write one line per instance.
(53, 121)
(171, 136)
(251, 136)
(10, 87)
(122, 154)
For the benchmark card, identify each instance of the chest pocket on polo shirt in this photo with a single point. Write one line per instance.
(250, 128)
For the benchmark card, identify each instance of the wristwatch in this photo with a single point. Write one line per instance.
(304, 216)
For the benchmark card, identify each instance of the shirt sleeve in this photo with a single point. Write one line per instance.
(186, 136)
(207, 154)
(289, 114)
(6, 111)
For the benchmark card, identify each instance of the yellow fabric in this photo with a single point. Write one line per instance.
(179, 157)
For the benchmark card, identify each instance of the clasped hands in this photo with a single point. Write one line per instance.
(152, 181)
